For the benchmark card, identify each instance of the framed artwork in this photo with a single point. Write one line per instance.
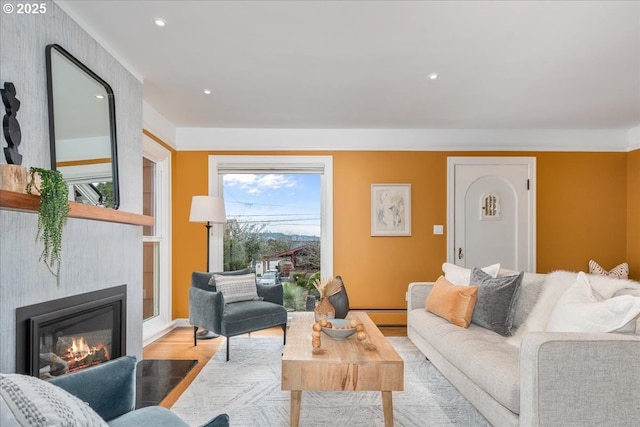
(391, 209)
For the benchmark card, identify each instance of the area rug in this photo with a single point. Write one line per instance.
(248, 389)
(156, 378)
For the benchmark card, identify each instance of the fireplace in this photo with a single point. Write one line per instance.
(73, 333)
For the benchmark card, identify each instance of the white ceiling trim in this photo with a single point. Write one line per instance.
(596, 140)
(158, 125)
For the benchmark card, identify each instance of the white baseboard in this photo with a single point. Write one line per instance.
(182, 323)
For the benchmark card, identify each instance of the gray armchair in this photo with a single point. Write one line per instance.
(207, 309)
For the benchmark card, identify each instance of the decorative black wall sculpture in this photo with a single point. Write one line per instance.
(10, 125)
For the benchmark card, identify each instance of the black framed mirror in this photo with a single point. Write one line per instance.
(82, 129)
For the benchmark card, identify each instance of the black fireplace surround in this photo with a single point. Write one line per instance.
(69, 334)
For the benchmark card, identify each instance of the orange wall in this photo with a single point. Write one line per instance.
(581, 214)
(633, 214)
(582, 210)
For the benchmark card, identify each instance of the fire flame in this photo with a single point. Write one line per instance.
(80, 349)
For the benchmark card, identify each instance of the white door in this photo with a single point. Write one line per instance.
(491, 209)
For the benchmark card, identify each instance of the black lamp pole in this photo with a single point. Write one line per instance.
(206, 334)
(208, 225)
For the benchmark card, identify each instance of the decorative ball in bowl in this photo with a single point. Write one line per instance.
(341, 329)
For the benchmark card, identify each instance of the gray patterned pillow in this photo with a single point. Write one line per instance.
(237, 288)
(34, 402)
(212, 279)
(495, 297)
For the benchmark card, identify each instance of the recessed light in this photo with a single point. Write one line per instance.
(433, 76)
(160, 22)
(207, 92)
(100, 96)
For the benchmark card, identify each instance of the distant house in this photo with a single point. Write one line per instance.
(305, 257)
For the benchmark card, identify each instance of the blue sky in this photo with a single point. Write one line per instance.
(287, 203)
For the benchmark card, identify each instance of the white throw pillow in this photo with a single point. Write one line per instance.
(29, 401)
(620, 271)
(237, 288)
(462, 276)
(580, 309)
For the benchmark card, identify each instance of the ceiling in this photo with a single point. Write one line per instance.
(366, 64)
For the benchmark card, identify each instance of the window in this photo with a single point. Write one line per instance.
(322, 166)
(151, 243)
(156, 239)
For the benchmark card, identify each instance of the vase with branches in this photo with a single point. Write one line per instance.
(326, 288)
(52, 214)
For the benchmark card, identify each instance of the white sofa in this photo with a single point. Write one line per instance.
(552, 378)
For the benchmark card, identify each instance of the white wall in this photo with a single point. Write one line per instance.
(96, 255)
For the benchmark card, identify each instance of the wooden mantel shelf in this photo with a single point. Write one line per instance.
(28, 203)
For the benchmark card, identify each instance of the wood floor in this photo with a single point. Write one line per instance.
(178, 344)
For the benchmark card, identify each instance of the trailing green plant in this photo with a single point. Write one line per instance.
(52, 215)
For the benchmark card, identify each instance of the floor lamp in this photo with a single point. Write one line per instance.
(210, 210)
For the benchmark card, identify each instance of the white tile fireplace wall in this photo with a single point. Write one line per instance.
(96, 254)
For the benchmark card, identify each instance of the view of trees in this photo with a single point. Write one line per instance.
(272, 213)
(246, 243)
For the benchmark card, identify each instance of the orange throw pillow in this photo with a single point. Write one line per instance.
(452, 302)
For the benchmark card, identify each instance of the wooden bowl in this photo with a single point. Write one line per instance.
(342, 333)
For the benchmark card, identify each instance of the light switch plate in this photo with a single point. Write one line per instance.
(438, 229)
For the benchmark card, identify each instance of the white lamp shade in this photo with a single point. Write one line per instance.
(207, 209)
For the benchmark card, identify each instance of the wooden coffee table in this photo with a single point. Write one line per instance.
(346, 365)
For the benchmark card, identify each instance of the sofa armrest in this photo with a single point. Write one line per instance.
(271, 293)
(206, 309)
(108, 388)
(417, 294)
(579, 379)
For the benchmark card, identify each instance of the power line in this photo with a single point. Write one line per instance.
(280, 220)
(263, 215)
(251, 204)
(228, 193)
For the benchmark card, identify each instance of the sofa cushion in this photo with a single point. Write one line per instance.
(462, 276)
(480, 354)
(237, 288)
(451, 302)
(35, 402)
(525, 298)
(495, 297)
(114, 397)
(581, 309)
(247, 316)
(553, 286)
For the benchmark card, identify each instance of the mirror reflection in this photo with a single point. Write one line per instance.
(82, 129)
